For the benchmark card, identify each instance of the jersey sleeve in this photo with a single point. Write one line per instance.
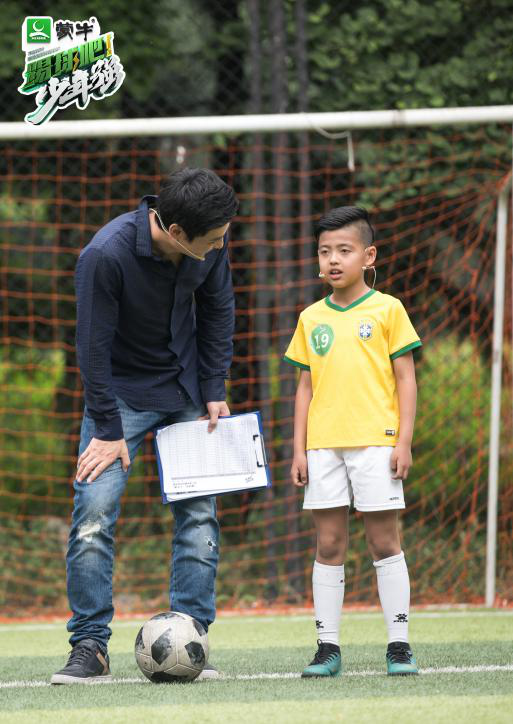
(402, 337)
(297, 352)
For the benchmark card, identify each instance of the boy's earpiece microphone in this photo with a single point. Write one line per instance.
(374, 270)
(321, 275)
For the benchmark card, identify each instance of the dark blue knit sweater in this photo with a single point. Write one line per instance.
(147, 331)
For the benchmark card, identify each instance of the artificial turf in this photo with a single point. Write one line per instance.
(465, 642)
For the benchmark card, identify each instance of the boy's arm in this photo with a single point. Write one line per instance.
(404, 371)
(299, 470)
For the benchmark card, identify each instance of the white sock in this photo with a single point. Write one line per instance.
(328, 595)
(394, 594)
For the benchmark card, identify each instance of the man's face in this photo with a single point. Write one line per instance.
(199, 246)
(173, 240)
(213, 239)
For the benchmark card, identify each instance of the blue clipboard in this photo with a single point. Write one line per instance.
(226, 492)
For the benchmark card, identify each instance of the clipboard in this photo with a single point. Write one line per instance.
(195, 463)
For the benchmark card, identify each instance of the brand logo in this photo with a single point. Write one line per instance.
(37, 31)
(321, 339)
(390, 433)
(365, 328)
(80, 65)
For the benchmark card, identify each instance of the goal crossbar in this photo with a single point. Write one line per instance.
(263, 123)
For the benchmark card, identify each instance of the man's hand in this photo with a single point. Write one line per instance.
(401, 461)
(215, 410)
(97, 457)
(299, 470)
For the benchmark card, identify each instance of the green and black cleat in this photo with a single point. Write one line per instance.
(400, 660)
(326, 662)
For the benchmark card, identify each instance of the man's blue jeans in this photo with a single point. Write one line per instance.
(90, 557)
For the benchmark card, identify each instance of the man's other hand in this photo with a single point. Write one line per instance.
(97, 457)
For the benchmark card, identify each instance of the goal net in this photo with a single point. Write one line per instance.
(432, 194)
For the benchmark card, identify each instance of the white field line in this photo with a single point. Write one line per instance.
(13, 627)
(286, 675)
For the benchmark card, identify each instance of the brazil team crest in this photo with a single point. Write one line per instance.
(365, 329)
(321, 339)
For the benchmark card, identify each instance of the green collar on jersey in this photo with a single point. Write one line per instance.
(350, 306)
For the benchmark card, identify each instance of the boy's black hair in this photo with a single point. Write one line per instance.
(197, 200)
(347, 216)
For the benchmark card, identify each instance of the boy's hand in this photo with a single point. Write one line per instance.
(401, 461)
(99, 455)
(299, 470)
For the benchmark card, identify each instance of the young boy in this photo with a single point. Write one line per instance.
(357, 380)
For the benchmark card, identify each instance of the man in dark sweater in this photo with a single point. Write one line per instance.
(155, 321)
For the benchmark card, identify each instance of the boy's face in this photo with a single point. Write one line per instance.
(342, 255)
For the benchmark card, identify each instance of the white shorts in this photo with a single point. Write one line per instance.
(338, 475)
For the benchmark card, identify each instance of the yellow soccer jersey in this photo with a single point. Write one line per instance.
(349, 352)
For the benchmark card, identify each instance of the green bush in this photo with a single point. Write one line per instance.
(33, 450)
(451, 435)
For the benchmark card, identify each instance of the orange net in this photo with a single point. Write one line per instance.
(433, 198)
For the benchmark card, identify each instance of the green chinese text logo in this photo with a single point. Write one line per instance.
(321, 339)
(39, 30)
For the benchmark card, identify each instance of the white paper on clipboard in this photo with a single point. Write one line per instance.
(194, 462)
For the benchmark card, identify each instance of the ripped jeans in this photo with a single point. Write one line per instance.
(90, 557)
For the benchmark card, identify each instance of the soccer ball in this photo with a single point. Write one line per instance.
(171, 646)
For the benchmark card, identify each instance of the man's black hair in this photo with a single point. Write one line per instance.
(197, 200)
(347, 216)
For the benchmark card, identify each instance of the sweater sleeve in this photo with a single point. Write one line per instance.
(215, 319)
(98, 284)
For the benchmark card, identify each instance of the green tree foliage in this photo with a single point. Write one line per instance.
(410, 54)
(372, 55)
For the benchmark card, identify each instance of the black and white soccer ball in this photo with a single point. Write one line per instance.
(170, 647)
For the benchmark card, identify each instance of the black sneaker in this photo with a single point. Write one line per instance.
(400, 660)
(87, 664)
(326, 662)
